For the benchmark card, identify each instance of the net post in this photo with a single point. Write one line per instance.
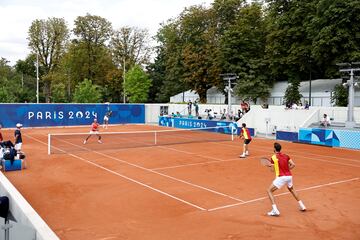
(49, 142)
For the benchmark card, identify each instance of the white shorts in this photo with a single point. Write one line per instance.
(94, 132)
(18, 146)
(281, 181)
(106, 118)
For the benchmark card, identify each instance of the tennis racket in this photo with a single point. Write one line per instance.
(265, 162)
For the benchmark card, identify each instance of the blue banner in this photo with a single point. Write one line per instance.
(39, 115)
(188, 123)
(330, 137)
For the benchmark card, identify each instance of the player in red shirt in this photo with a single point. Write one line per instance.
(281, 164)
(245, 134)
(94, 130)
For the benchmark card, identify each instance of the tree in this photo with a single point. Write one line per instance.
(292, 94)
(86, 92)
(131, 45)
(201, 72)
(171, 69)
(340, 95)
(137, 85)
(242, 52)
(335, 29)
(47, 38)
(89, 57)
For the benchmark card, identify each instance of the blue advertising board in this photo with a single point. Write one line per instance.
(188, 123)
(330, 137)
(38, 115)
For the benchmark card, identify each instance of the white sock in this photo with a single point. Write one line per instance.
(275, 208)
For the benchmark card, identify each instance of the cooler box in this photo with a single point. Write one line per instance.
(16, 165)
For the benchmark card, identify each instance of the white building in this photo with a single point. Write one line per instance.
(321, 93)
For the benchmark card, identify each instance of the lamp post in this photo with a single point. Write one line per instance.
(350, 69)
(124, 92)
(37, 77)
(310, 84)
(228, 77)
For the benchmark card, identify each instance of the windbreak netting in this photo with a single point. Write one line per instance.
(74, 142)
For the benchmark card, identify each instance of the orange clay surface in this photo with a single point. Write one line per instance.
(196, 191)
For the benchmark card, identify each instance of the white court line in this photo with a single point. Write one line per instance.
(202, 163)
(297, 154)
(155, 172)
(129, 179)
(285, 193)
(307, 153)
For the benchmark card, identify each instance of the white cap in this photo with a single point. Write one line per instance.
(19, 125)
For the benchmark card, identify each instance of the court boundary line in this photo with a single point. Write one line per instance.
(285, 193)
(127, 178)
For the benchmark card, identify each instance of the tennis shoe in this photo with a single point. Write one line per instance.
(247, 153)
(273, 213)
(302, 208)
(84, 141)
(99, 141)
(242, 156)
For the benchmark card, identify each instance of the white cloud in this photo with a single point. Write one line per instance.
(16, 17)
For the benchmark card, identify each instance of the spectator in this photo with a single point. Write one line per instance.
(18, 138)
(325, 121)
(189, 107)
(306, 105)
(178, 115)
(196, 105)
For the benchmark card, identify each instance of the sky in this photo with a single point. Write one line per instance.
(16, 17)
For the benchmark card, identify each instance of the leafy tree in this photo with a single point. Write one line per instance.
(47, 38)
(292, 94)
(87, 92)
(335, 29)
(340, 95)
(170, 61)
(243, 50)
(137, 85)
(88, 56)
(201, 72)
(58, 93)
(156, 73)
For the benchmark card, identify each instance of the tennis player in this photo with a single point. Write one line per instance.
(18, 138)
(245, 134)
(281, 164)
(94, 130)
(106, 119)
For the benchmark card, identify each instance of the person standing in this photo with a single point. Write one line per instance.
(189, 105)
(106, 119)
(245, 134)
(196, 105)
(94, 130)
(282, 164)
(18, 138)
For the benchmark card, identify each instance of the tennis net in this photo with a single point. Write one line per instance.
(74, 142)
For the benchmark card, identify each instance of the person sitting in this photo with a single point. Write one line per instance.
(325, 121)
(178, 115)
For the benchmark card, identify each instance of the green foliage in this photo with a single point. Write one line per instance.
(292, 94)
(58, 93)
(137, 85)
(340, 96)
(86, 92)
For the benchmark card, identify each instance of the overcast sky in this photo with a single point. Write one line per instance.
(16, 17)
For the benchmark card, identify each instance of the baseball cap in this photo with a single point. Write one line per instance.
(19, 125)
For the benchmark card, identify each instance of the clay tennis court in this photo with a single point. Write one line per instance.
(186, 191)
